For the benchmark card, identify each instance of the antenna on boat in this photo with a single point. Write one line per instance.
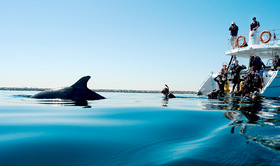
(230, 62)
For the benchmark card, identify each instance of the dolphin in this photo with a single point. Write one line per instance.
(77, 92)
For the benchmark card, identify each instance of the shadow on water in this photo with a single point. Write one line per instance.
(165, 101)
(256, 120)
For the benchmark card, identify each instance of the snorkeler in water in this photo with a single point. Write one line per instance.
(166, 92)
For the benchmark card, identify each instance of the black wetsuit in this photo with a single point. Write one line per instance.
(275, 63)
(257, 82)
(236, 76)
(258, 64)
(221, 85)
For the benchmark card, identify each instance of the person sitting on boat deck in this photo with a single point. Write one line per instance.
(221, 80)
(236, 75)
(219, 92)
(246, 87)
(257, 83)
(275, 63)
(252, 85)
(254, 25)
(249, 80)
(166, 92)
(233, 34)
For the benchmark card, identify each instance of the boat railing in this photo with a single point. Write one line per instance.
(268, 40)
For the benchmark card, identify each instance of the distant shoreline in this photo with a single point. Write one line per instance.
(97, 90)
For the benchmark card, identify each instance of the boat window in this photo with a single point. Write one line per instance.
(269, 62)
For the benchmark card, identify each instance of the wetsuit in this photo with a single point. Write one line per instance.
(221, 85)
(275, 63)
(258, 64)
(236, 76)
(257, 82)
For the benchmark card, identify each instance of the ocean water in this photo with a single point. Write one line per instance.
(138, 129)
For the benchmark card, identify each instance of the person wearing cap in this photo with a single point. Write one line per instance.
(254, 25)
(233, 34)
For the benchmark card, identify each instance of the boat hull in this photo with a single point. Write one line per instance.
(272, 86)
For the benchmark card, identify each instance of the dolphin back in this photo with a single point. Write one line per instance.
(65, 93)
(77, 92)
(82, 82)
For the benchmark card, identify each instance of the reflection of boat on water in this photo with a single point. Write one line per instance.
(257, 125)
(266, 46)
(258, 121)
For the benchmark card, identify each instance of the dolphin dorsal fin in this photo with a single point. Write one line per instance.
(81, 83)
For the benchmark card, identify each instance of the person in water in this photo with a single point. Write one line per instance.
(166, 92)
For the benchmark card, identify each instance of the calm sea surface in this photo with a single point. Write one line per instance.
(138, 129)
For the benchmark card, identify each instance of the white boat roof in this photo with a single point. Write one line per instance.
(256, 48)
(263, 51)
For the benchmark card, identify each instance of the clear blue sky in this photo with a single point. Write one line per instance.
(122, 44)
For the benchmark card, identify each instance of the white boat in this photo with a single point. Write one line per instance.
(266, 45)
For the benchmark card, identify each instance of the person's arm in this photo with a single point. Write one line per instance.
(263, 65)
(215, 79)
(258, 25)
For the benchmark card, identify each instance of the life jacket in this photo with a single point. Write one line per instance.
(226, 90)
(241, 83)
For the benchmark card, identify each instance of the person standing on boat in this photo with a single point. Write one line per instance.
(256, 64)
(253, 35)
(252, 63)
(233, 34)
(233, 62)
(275, 63)
(236, 75)
(224, 71)
(259, 64)
(255, 25)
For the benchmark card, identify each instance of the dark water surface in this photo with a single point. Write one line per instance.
(138, 129)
